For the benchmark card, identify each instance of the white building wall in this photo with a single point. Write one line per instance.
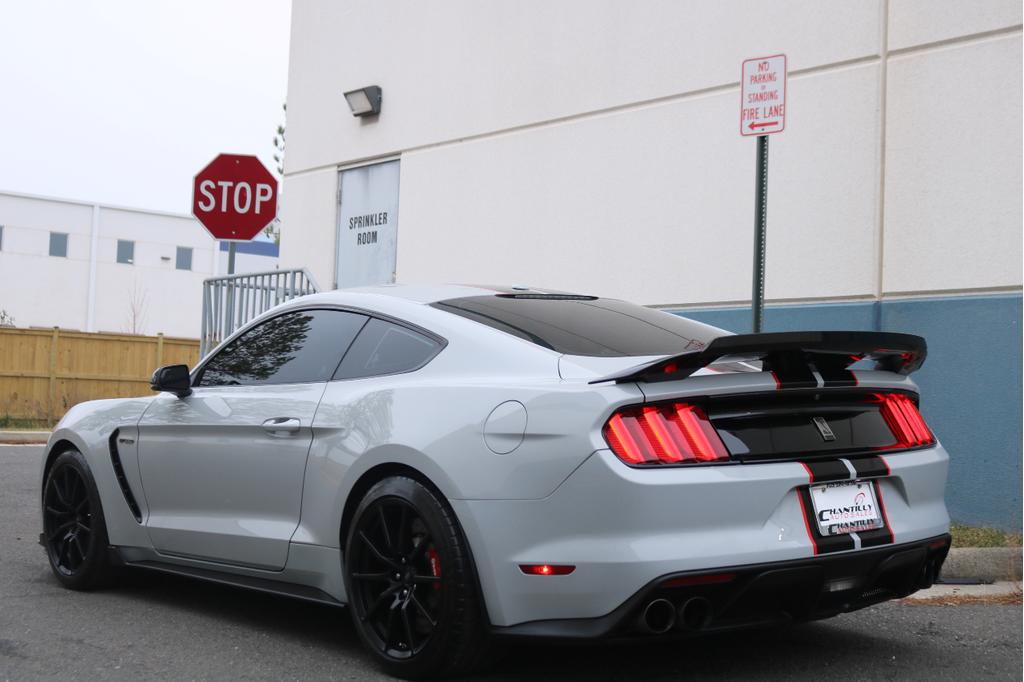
(593, 146)
(39, 290)
(953, 166)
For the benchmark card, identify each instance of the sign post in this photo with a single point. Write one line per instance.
(762, 113)
(235, 198)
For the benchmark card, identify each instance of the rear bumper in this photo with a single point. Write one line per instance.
(764, 594)
(624, 528)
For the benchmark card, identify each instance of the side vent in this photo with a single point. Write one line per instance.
(115, 459)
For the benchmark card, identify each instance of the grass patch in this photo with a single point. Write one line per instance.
(8, 423)
(972, 536)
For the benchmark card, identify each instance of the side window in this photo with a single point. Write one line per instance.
(386, 348)
(292, 348)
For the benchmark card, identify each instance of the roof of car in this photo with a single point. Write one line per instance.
(431, 293)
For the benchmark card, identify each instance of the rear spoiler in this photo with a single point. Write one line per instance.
(792, 356)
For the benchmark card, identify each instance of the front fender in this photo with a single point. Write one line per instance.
(87, 427)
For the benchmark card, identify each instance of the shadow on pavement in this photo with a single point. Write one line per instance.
(315, 623)
(753, 654)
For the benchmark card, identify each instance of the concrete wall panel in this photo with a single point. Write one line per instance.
(953, 168)
(487, 66)
(310, 212)
(918, 22)
(656, 204)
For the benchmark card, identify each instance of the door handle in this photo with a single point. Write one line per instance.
(277, 425)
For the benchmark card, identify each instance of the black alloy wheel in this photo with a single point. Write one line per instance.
(74, 532)
(396, 575)
(412, 590)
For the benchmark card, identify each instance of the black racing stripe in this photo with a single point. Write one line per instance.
(799, 376)
(837, 376)
(876, 537)
(825, 470)
(835, 543)
(824, 544)
(868, 467)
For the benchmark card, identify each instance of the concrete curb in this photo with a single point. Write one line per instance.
(19, 437)
(984, 563)
(979, 592)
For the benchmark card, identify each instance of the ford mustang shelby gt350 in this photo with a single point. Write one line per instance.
(457, 464)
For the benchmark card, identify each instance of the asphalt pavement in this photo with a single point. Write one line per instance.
(154, 627)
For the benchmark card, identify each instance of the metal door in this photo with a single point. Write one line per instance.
(367, 234)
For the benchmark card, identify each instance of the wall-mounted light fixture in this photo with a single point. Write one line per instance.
(364, 101)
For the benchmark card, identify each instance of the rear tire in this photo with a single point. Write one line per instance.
(74, 530)
(411, 585)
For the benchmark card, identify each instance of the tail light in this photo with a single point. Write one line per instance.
(904, 420)
(664, 434)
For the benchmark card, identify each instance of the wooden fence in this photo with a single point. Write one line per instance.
(43, 372)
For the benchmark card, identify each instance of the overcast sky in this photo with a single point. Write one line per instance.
(123, 102)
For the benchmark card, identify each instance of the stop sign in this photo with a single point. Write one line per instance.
(234, 197)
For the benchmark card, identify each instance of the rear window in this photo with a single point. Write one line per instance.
(583, 325)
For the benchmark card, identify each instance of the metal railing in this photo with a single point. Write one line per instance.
(232, 300)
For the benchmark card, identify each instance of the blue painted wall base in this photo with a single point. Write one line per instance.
(970, 384)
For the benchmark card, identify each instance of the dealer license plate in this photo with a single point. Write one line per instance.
(845, 507)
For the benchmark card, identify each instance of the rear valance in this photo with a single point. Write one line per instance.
(792, 355)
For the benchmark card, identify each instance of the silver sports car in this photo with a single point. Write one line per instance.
(463, 464)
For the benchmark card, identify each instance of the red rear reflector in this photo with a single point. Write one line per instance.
(546, 569)
(688, 580)
(904, 420)
(664, 434)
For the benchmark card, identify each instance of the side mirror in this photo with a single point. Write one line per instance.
(172, 379)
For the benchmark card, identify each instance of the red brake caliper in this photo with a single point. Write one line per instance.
(435, 566)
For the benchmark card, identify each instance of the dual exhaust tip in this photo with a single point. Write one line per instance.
(660, 615)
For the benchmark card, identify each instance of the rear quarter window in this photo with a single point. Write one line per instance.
(386, 348)
(599, 327)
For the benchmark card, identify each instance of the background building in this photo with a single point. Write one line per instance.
(93, 267)
(594, 147)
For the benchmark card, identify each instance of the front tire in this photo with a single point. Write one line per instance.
(74, 530)
(412, 588)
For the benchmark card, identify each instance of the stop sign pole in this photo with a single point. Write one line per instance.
(762, 113)
(235, 198)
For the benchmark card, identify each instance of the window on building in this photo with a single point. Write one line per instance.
(183, 260)
(59, 244)
(125, 251)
